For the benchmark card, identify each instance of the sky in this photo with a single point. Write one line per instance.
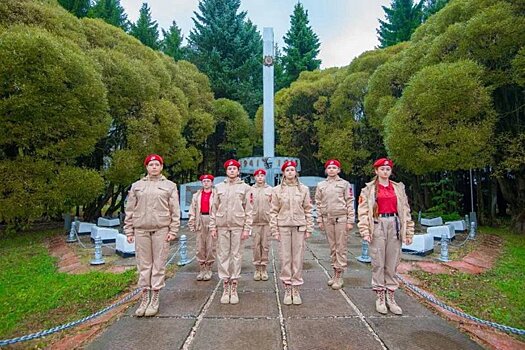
(346, 28)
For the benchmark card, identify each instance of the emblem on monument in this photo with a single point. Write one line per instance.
(268, 61)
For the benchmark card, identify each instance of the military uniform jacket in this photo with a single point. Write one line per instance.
(152, 205)
(231, 207)
(262, 200)
(334, 199)
(194, 222)
(291, 206)
(366, 215)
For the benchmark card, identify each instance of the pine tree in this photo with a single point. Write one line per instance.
(228, 48)
(302, 46)
(146, 29)
(79, 8)
(111, 12)
(433, 6)
(171, 42)
(402, 19)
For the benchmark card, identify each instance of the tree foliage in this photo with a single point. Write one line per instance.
(171, 43)
(302, 46)
(227, 48)
(79, 8)
(110, 11)
(401, 20)
(146, 29)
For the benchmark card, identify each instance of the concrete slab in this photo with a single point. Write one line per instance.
(247, 283)
(186, 303)
(136, 333)
(351, 334)
(364, 299)
(187, 281)
(251, 305)
(218, 334)
(417, 333)
(318, 304)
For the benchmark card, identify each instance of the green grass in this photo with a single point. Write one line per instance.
(35, 296)
(496, 295)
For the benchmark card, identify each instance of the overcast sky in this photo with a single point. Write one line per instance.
(346, 28)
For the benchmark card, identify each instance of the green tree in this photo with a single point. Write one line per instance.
(172, 41)
(302, 46)
(402, 19)
(146, 29)
(228, 48)
(111, 12)
(432, 6)
(79, 8)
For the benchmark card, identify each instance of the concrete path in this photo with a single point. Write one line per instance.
(192, 317)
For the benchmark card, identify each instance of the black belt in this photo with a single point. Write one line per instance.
(205, 213)
(387, 215)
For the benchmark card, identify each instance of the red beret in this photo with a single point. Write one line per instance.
(332, 162)
(383, 162)
(206, 176)
(288, 163)
(259, 171)
(232, 162)
(153, 157)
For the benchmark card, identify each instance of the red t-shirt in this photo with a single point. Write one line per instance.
(386, 199)
(205, 202)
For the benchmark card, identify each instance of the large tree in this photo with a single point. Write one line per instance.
(79, 8)
(111, 12)
(171, 42)
(146, 29)
(402, 19)
(228, 48)
(432, 6)
(302, 46)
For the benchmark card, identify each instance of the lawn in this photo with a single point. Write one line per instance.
(496, 295)
(35, 296)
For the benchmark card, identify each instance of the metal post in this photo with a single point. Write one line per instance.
(183, 250)
(444, 247)
(268, 93)
(419, 217)
(73, 231)
(98, 260)
(472, 233)
(364, 258)
(467, 221)
(67, 222)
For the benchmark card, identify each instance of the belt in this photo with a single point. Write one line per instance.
(205, 213)
(387, 215)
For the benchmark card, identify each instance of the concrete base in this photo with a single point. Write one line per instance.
(432, 222)
(85, 228)
(421, 245)
(108, 235)
(438, 231)
(123, 248)
(108, 222)
(459, 225)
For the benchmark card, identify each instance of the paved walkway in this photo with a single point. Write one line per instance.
(191, 316)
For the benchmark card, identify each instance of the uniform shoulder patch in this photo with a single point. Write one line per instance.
(361, 199)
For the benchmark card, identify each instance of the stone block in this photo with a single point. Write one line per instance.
(437, 231)
(85, 228)
(123, 248)
(459, 225)
(432, 222)
(107, 234)
(421, 244)
(108, 222)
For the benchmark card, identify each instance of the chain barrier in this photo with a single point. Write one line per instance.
(427, 296)
(40, 334)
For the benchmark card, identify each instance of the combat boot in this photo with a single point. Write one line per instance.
(153, 306)
(144, 302)
(257, 273)
(207, 274)
(338, 280)
(234, 297)
(264, 273)
(391, 303)
(296, 297)
(380, 302)
(332, 279)
(225, 299)
(202, 272)
(287, 300)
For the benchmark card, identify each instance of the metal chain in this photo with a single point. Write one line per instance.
(456, 312)
(5, 342)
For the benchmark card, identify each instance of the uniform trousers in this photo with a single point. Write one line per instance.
(337, 236)
(385, 251)
(151, 251)
(206, 244)
(292, 248)
(260, 244)
(229, 252)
